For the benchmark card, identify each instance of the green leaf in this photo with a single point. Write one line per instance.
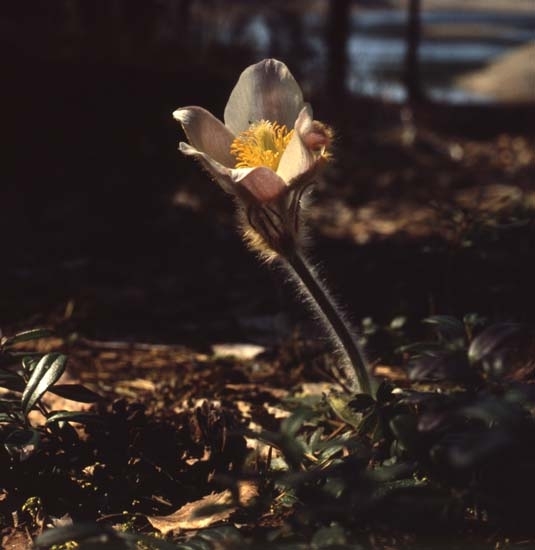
(9, 404)
(341, 404)
(225, 536)
(421, 348)
(44, 375)
(76, 392)
(132, 539)
(471, 449)
(447, 327)
(73, 416)
(11, 418)
(493, 411)
(92, 536)
(329, 448)
(87, 533)
(293, 450)
(64, 433)
(11, 381)
(333, 536)
(362, 402)
(25, 336)
(370, 425)
(492, 339)
(21, 444)
(291, 425)
(384, 392)
(29, 363)
(387, 488)
(405, 429)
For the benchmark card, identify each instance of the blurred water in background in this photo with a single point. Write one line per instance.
(376, 50)
(453, 43)
(175, 33)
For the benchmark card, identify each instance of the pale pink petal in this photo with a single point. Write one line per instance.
(265, 91)
(297, 158)
(224, 176)
(206, 133)
(262, 183)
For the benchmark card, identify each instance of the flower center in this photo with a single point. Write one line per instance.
(262, 144)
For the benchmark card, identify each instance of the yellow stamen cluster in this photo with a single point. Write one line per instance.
(262, 144)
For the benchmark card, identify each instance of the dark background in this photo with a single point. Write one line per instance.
(107, 231)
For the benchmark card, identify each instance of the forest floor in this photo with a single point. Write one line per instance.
(194, 348)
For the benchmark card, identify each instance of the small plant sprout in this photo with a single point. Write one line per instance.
(267, 153)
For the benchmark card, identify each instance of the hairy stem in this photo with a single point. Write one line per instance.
(354, 367)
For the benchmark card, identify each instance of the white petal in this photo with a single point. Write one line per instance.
(206, 133)
(261, 183)
(265, 91)
(224, 176)
(297, 159)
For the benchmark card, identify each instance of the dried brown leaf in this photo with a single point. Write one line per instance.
(202, 513)
(16, 540)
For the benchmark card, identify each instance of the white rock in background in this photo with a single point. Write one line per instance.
(509, 78)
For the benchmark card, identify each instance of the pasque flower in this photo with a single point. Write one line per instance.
(267, 151)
